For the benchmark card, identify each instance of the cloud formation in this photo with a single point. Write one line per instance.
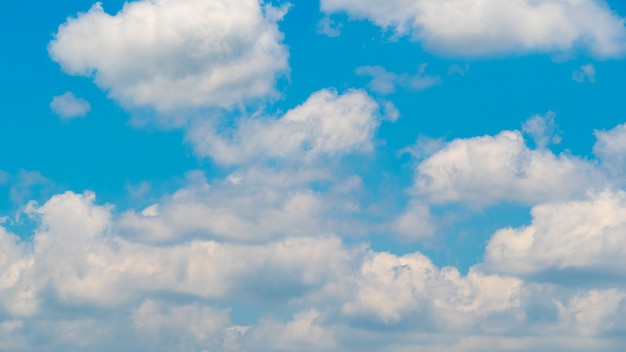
(172, 296)
(610, 148)
(326, 124)
(585, 236)
(176, 54)
(485, 170)
(478, 27)
(268, 254)
(68, 106)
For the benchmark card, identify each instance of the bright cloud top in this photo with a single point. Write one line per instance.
(478, 27)
(326, 124)
(485, 170)
(68, 106)
(176, 54)
(586, 235)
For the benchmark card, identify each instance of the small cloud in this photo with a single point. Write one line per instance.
(456, 69)
(385, 82)
(390, 111)
(542, 129)
(585, 73)
(329, 27)
(68, 106)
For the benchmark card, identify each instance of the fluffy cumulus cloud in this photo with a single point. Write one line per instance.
(106, 288)
(255, 205)
(392, 290)
(68, 106)
(327, 124)
(478, 27)
(266, 255)
(176, 54)
(481, 171)
(94, 265)
(585, 236)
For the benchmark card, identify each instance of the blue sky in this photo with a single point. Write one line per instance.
(333, 175)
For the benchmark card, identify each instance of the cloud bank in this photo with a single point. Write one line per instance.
(493, 27)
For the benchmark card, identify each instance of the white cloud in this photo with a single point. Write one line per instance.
(394, 289)
(585, 73)
(594, 312)
(180, 327)
(76, 259)
(415, 223)
(483, 27)
(584, 236)
(610, 147)
(327, 124)
(328, 27)
(481, 171)
(385, 82)
(176, 295)
(68, 106)
(176, 54)
(248, 210)
(302, 333)
(542, 129)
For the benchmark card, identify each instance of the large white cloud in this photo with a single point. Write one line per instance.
(77, 274)
(585, 237)
(252, 206)
(77, 259)
(482, 27)
(485, 170)
(176, 54)
(326, 124)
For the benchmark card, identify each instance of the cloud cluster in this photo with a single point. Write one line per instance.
(268, 257)
(176, 54)
(172, 296)
(479, 27)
